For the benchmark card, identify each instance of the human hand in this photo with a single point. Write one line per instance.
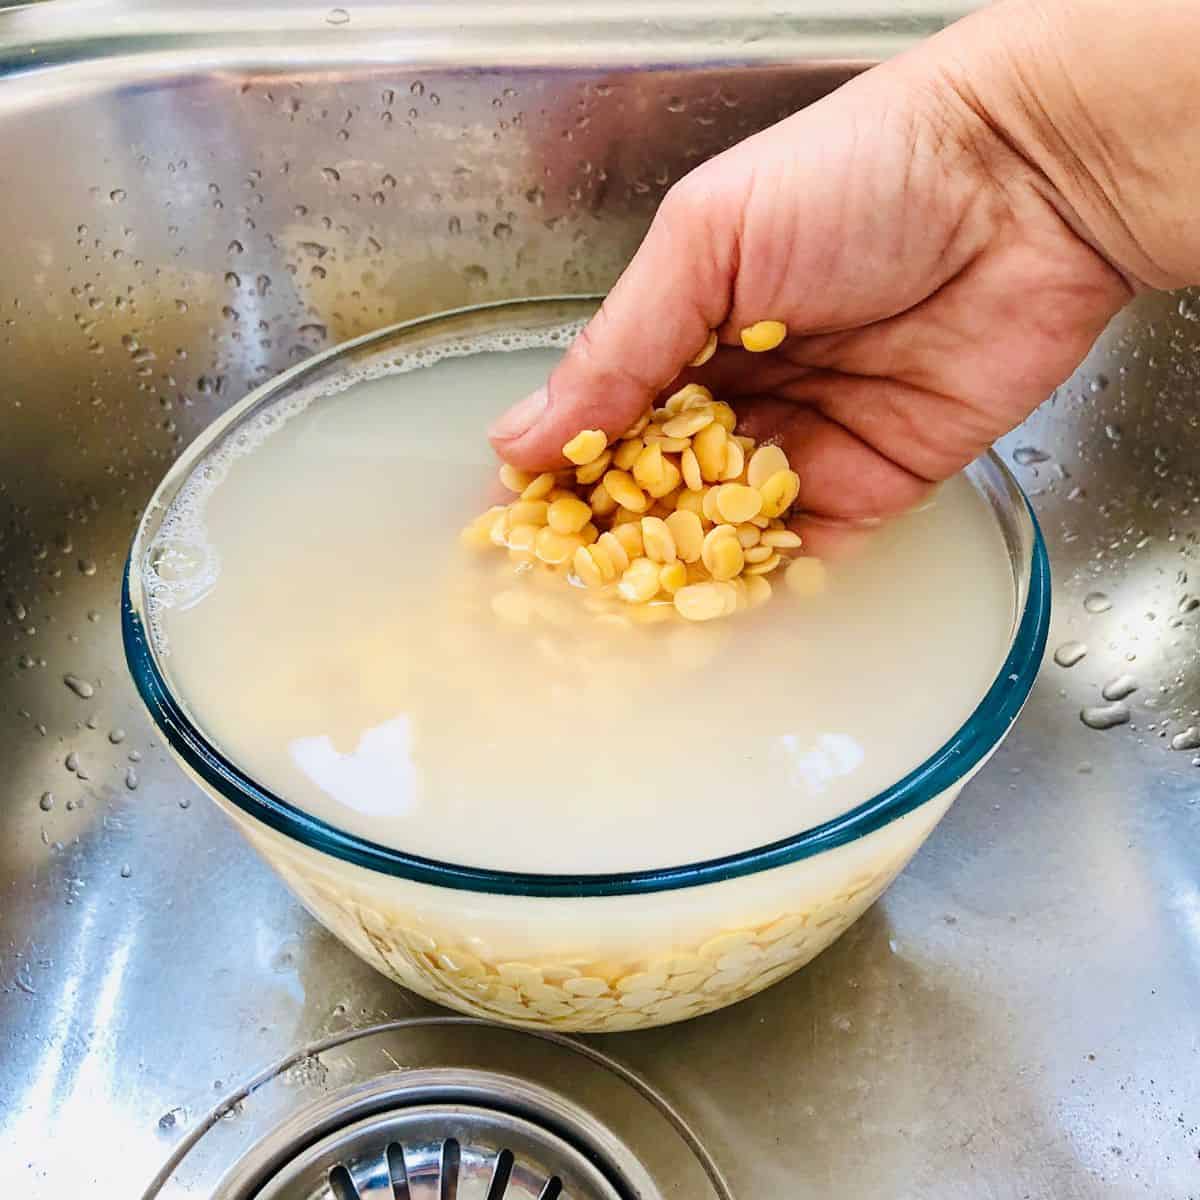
(935, 285)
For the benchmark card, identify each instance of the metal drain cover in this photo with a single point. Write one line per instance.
(441, 1108)
(440, 1151)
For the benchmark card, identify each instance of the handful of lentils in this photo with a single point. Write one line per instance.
(679, 511)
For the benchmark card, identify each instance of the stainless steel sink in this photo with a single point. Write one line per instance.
(193, 200)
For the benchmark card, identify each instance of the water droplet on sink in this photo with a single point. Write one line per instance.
(71, 762)
(337, 16)
(131, 779)
(1189, 308)
(117, 195)
(1188, 739)
(1028, 456)
(1189, 604)
(116, 736)
(81, 687)
(1119, 688)
(1097, 602)
(330, 175)
(46, 803)
(126, 871)
(1069, 653)
(185, 802)
(86, 566)
(1104, 716)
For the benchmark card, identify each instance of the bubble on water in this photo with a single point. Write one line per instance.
(81, 687)
(1028, 456)
(1069, 653)
(46, 803)
(1188, 739)
(1104, 716)
(1097, 602)
(1119, 688)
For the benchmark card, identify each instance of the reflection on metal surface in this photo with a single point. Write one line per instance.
(1017, 1016)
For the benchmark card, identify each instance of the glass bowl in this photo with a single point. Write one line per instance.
(590, 953)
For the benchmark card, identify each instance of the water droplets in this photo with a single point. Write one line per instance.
(46, 803)
(1189, 307)
(1069, 653)
(331, 175)
(86, 566)
(337, 16)
(1187, 739)
(131, 779)
(1104, 716)
(81, 687)
(1119, 688)
(118, 195)
(1029, 456)
(1097, 602)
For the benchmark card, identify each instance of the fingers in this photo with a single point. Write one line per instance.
(653, 322)
(840, 474)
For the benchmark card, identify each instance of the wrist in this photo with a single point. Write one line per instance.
(1088, 101)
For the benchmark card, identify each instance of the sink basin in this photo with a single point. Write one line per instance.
(196, 199)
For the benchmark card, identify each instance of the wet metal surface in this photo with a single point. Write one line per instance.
(1020, 1015)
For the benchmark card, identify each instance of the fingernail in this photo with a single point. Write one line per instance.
(521, 417)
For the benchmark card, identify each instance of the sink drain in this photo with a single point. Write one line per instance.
(442, 1108)
(462, 1135)
(440, 1151)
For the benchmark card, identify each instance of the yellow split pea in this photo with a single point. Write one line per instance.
(679, 517)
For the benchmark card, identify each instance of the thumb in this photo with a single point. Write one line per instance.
(654, 321)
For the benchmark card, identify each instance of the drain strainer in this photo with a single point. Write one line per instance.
(445, 1134)
(442, 1151)
(441, 1108)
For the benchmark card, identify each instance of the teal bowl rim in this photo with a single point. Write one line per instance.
(974, 740)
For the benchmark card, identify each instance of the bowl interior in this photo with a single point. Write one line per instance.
(454, 333)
